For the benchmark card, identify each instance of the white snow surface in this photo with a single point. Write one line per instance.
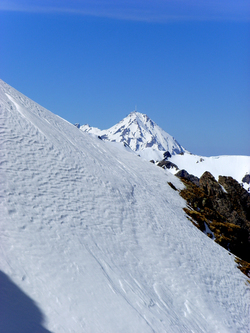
(140, 133)
(224, 165)
(93, 239)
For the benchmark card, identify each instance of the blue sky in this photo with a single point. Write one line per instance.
(183, 63)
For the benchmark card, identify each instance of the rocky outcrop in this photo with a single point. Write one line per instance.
(221, 210)
(210, 185)
(167, 165)
(166, 155)
(240, 202)
(246, 179)
(184, 174)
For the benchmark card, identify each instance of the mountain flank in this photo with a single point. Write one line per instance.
(94, 239)
(221, 206)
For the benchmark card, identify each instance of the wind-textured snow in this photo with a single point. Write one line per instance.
(93, 239)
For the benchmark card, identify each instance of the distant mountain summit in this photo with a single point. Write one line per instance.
(151, 142)
(140, 133)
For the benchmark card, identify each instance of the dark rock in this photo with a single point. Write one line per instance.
(77, 125)
(166, 155)
(167, 165)
(216, 194)
(210, 186)
(246, 179)
(239, 198)
(172, 186)
(184, 174)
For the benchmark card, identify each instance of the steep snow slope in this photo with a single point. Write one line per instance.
(140, 133)
(98, 240)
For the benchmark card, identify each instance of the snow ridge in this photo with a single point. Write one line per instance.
(140, 133)
(98, 239)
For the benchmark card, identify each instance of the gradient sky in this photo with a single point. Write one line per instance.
(186, 64)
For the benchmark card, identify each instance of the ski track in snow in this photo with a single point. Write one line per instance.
(98, 239)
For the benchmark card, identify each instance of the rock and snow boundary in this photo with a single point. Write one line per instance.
(93, 239)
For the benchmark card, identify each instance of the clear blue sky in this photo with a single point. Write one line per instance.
(186, 64)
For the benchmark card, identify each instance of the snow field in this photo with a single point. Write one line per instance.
(233, 166)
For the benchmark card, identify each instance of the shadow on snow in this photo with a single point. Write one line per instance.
(18, 312)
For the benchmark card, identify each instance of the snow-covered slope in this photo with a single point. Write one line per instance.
(141, 134)
(233, 166)
(93, 239)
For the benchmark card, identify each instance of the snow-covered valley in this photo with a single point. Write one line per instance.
(97, 241)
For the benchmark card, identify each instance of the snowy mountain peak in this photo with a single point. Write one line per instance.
(141, 134)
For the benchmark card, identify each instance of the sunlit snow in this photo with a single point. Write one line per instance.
(233, 166)
(93, 239)
(150, 142)
(141, 134)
